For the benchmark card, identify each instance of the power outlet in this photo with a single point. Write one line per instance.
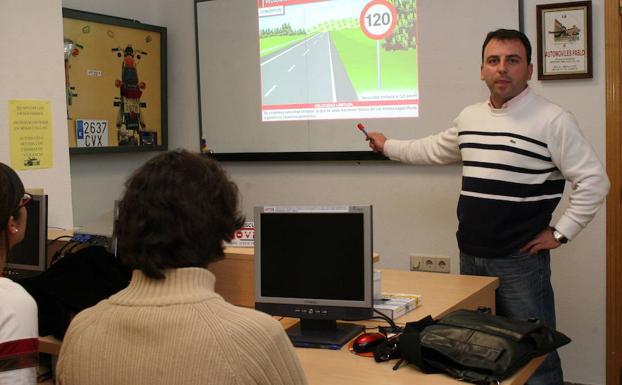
(430, 263)
(443, 264)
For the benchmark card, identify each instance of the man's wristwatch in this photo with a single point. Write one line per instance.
(559, 237)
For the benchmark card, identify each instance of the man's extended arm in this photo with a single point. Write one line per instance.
(441, 148)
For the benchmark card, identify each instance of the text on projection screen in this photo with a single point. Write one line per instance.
(338, 59)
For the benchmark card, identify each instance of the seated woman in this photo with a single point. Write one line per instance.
(19, 336)
(169, 326)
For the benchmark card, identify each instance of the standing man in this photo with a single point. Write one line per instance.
(517, 151)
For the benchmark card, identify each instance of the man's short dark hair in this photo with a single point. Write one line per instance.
(176, 211)
(508, 34)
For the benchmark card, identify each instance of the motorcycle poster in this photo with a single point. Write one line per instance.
(114, 82)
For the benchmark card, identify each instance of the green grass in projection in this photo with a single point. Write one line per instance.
(270, 44)
(399, 70)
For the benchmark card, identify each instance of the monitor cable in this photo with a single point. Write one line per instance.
(393, 327)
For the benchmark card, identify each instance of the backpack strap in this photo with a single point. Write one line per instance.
(410, 344)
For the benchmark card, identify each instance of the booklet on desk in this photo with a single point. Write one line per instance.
(395, 305)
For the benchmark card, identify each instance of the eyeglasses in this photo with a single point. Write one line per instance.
(26, 199)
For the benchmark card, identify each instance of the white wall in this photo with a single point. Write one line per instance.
(31, 67)
(414, 207)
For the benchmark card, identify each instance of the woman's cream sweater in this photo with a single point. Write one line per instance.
(175, 331)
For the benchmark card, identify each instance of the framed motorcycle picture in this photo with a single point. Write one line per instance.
(115, 83)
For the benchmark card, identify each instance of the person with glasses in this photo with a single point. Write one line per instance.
(169, 326)
(18, 310)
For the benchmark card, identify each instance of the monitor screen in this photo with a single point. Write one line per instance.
(29, 256)
(314, 263)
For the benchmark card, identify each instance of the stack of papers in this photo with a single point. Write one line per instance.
(395, 305)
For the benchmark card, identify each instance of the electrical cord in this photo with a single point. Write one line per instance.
(394, 327)
(60, 253)
(58, 238)
(70, 250)
(75, 241)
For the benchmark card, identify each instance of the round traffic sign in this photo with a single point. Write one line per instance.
(378, 19)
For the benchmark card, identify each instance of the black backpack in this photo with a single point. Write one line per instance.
(474, 346)
(75, 282)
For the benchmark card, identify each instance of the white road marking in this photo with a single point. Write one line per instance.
(332, 73)
(270, 91)
(287, 50)
(291, 68)
(306, 52)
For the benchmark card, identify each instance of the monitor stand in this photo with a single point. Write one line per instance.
(326, 334)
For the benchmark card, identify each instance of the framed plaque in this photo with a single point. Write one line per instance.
(564, 40)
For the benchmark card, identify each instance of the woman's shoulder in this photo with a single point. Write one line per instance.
(241, 320)
(18, 312)
(15, 296)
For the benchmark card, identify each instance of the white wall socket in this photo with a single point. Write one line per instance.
(430, 263)
(443, 264)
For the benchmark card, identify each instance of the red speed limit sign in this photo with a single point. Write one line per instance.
(378, 19)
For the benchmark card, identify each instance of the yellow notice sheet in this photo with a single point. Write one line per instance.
(30, 131)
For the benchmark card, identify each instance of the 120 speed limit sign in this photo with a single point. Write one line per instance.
(378, 19)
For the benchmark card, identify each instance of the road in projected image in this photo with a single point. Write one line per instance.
(316, 74)
(339, 59)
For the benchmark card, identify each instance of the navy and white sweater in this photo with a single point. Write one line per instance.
(515, 164)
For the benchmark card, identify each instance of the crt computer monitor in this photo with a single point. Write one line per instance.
(29, 257)
(315, 263)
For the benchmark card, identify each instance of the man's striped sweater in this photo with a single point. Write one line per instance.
(515, 164)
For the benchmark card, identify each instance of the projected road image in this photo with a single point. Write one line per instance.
(339, 59)
(309, 72)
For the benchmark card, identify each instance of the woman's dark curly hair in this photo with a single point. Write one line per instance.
(177, 210)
